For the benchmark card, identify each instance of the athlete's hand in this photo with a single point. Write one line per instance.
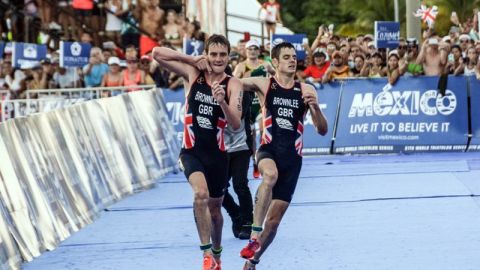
(218, 92)
(310, 100)
(202, 64)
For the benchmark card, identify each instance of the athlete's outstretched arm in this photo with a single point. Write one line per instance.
(255, 84)
(311, 100)
(182, 64)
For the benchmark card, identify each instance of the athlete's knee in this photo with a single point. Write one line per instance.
(270, 176)
(201, 196)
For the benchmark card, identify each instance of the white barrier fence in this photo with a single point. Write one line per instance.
(88, 93)
(44, 100)
(61, 168)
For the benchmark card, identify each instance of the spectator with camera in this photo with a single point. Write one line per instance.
(94, 71)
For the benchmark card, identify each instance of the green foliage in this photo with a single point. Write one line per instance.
(307, 16)
(353, 17)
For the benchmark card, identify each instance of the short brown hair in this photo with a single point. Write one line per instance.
(217, 39)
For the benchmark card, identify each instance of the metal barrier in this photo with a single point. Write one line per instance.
(22, 107)
(49, 99)
(87, 93)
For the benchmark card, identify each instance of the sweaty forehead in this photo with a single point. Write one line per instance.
(287, 51)
(217, 48)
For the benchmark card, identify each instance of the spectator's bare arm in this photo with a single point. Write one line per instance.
(444, 51)
(422, 54)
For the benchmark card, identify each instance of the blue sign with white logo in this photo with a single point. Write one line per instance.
(27, 55)
(297, 41)
(410, 117)
(2, 49)
(387, 34)
(74, 54)
(175, 101)
(193, 47)
(475, 113)
(328, 100)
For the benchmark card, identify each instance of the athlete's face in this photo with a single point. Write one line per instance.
(287, 61)
(218, 57)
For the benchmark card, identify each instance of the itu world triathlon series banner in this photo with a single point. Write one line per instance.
(411, 117)
(475, 113)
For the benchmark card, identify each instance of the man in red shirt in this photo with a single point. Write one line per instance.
(314, 73)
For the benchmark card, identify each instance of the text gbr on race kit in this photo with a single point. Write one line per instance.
(402, 103)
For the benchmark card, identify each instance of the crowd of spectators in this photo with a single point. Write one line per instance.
(334, 57)
(122, 34)
(130, 29)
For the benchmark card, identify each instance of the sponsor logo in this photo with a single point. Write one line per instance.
(75, 49)
(30, 51)
(429, 103)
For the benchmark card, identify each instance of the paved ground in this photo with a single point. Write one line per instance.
(349, 212)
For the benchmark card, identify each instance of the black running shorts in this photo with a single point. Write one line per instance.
(288, 167)
(214, 167)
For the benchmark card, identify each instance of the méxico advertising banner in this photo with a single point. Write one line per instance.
(411, 117)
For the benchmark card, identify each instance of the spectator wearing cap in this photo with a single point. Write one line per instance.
(433, 57)
(339, 69)
(96, 68)
(114, 76)
(454, 33)
(464, 42)
(365, 42)
(314, 73)
(252, 63)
